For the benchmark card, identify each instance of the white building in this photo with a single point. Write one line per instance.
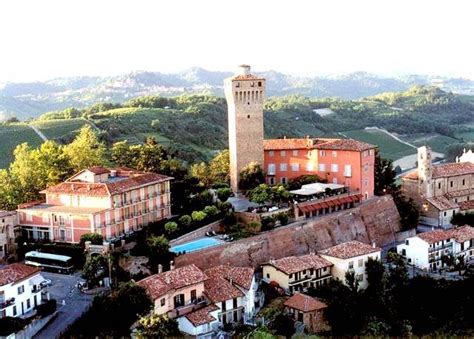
(351, 256)
(466, 156)
(427, 249)
(20, 289)
(8, 220)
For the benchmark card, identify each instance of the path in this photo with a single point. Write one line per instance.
(40, 134)
(391, 135)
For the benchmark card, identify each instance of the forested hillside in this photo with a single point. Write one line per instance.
(195, 126)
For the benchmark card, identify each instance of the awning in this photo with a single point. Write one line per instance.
(36, 280)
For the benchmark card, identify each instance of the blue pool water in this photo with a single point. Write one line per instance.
(196, 245)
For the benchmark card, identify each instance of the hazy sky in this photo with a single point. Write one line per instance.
(42, 39)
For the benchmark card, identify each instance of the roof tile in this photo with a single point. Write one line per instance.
(350, 249)
(304, 303)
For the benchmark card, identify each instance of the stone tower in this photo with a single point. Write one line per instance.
(425, 172)
(245, 94)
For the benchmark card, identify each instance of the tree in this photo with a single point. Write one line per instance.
(86, 150)
(224, 193)
(351, 281)
(171, 227)
(409, 214)
(219, 168)
(94, 238)
(185, 220)
(251, 176)
(95, 268)
(279, 194)
(157, 326)
(384, 175)
(201, 172)
(158, 249)
(260, 194)
(198, 215)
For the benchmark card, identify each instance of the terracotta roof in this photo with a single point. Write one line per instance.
(320, 143)
(202, 316)
(98, 170)
(466, 205)
(15, 273)
(247, 77)
(161, 283)
(241, 276)
(459, 193)
(453, 169)
(350, 249)
(290, 265)
(345, 145)
(442, 203)
(220, 289)
(432, 237)
(462, 233)
(412, 175)
(131, 180)
(304, 303)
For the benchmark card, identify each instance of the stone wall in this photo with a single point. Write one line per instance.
(376, 219)
(196, 234)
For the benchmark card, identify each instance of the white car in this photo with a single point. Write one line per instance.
(46, 282)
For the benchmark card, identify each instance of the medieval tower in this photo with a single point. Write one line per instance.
(245, 94)
(425, 172)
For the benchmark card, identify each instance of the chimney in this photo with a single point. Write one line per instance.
(244, 70)
(160, 268)
(171, 265)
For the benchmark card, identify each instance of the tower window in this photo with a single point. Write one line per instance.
(252, 84)
(248, 116)
(237, 84)
(259, 84)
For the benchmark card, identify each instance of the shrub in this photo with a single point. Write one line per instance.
(94, 238)
(230, 219)
(9, 325)
(225, 206)
(171, 227)
(198, 215)
(185, 220)
(254, 227)
(267, 223)
(46, 308)
(282, 218)
(211, 210)
(224, 193)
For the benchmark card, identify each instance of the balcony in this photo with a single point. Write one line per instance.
(448, 246)
(6, 303)
(189, 307)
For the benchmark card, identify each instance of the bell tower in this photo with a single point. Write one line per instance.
(425, 172)
(245, 94)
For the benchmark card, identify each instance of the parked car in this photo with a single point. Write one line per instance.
(46, 282)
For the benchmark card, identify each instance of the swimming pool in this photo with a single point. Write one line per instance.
(196, 245)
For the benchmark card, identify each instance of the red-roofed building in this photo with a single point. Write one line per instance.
(351, 256)
(298, 273)
(110, 202)
(20, 290)
(425, 250)
(309, 311)
(8, 220)
(440, 191)
(340, 161)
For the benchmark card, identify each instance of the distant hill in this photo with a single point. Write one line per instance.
(29, 100)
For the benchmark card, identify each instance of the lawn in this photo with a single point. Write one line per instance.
(389, 147)
(54, 129)
(12, 135)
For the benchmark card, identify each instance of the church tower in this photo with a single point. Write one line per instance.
(245, 94)
(425, 172)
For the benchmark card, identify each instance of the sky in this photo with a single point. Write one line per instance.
(40, 40)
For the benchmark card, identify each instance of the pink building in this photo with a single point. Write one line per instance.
(109, 202)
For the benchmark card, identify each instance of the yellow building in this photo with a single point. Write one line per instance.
(351, 256)
(298, 273)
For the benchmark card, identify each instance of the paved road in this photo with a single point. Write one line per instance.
(63, 288)
(40, 134)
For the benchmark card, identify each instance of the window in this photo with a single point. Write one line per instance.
(259, 84)
(295, 152)
(271, 169)
(322, 153)
(334, 180)
(193, 295)
(283, 180)
(322, 167)
(451, 183)
(334, 154)
(237, 84)
(28, 303)
(351, 265)
(21, 289)
(271, 153)
(334, 168)
(366, 167)
(463, 182)
(283, 153)
(271, 181)
(347, 170)
(360, 262)
(268, 275)
(283, 167)
(162, 301)
(295, 167)
(14, 310)
(371, 152)
(223, 308)
(439, 185)
(366, 182)
(309, 166)
(444, 213)
(365, 153)
(407, 242)
(235, 302)
(178, 300)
